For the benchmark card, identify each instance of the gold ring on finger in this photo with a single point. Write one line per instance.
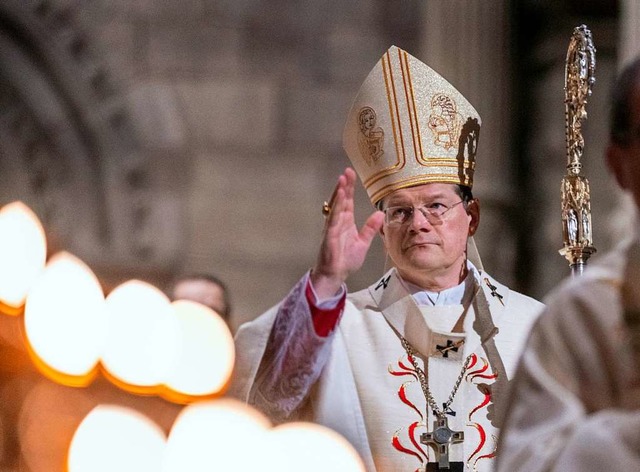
(326, 208)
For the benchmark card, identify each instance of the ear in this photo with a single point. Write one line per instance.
(473, 210)
(383, 236)
(616, 162)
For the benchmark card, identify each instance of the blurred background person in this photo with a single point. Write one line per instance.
(206, 289)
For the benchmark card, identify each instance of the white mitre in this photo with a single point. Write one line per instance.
(408, 126)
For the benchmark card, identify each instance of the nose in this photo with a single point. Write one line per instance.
(419, 219)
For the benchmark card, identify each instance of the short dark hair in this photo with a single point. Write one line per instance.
(620, 131)
(209, 278)
(463, 191)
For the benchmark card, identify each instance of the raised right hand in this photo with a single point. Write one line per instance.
(344, 247)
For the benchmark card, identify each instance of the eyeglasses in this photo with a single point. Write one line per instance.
(435, 214)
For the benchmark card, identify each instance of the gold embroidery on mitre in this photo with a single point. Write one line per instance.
(444, 121)
(370, 138)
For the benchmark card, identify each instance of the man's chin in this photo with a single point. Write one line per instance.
(423, 260)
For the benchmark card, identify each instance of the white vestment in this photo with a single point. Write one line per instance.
(360, 382)
(574, 403)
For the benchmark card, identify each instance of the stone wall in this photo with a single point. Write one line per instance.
(234, 111)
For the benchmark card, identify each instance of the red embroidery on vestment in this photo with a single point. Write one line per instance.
(404, 370)
(472, 362)
(483, 439)
(415, 449)
(485, 402)
(402, 393)
(480, 373)
(491, 455)
(481, 370)
(413, 435)
(398, 445)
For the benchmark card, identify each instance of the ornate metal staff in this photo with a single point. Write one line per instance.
(576, 201)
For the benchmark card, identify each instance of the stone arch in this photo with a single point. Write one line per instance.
(68, 146)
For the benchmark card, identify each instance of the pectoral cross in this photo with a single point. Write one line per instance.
(440, 439)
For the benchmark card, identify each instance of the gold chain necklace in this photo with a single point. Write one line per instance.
(423, 380)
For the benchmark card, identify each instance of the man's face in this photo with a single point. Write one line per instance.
(419, 248)
(202, 291)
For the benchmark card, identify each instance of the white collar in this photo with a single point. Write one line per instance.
(460, 294)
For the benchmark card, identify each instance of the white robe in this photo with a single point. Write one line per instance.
(359, 381)
(575, 400)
